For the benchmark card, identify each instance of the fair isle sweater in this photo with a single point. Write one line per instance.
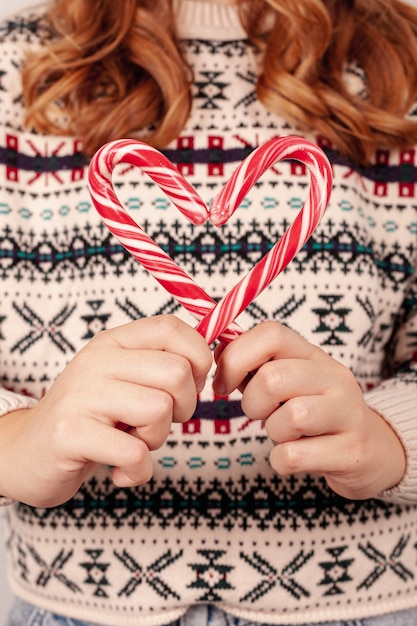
(215, 524)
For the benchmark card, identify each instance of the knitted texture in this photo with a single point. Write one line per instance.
(215, 524)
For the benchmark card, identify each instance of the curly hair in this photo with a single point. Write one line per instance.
(98, 65)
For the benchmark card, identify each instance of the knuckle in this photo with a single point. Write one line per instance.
(85, 361)
(167, 324)
(299, 415)
(82, 360)
(135, 453)
(346, 378)
(272, 332)
(271, 377)
(180, 371)
(286, 459)
(163, 406)
(61, 434)
(100, 338)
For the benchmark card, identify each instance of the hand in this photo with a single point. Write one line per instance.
(313, 409)
(112, 404)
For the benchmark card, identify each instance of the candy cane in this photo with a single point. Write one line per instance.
(136, 241)
(230, 197)
(215, 320)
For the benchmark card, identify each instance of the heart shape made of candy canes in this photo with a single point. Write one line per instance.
(215, 320)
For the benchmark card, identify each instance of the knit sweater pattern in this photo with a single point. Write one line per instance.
(215, 524)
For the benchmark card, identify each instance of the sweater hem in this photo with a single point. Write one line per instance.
(306, 616)
(311, 616)
(90, 614)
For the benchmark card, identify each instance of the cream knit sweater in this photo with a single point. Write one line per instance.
(215, 524)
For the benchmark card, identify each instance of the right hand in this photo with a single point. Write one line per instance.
(112, 404)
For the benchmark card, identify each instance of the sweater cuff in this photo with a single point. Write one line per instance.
(9, 402)
(395, 401)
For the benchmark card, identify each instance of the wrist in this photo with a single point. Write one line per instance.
(11, 426)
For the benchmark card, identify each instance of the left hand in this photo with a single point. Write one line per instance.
(314, 411)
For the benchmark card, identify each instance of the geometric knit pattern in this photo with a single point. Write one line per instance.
(215, 524)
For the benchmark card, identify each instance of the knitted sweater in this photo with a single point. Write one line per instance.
(215, 524)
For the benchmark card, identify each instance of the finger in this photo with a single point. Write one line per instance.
(317, 455)
(119, 402)
(169, 333)
(142, 410)
(308, 416)
(124, 369)
(265, 342)
(102, 444)
(168, 372)
(122, 402)
(133, 475)
(276, 382)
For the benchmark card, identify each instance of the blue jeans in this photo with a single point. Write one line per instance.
(23, 614)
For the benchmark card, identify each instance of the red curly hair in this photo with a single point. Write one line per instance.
(99, 64)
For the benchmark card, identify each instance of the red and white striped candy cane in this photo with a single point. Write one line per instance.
(215, 320)
(230, 197)
(136, 241)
